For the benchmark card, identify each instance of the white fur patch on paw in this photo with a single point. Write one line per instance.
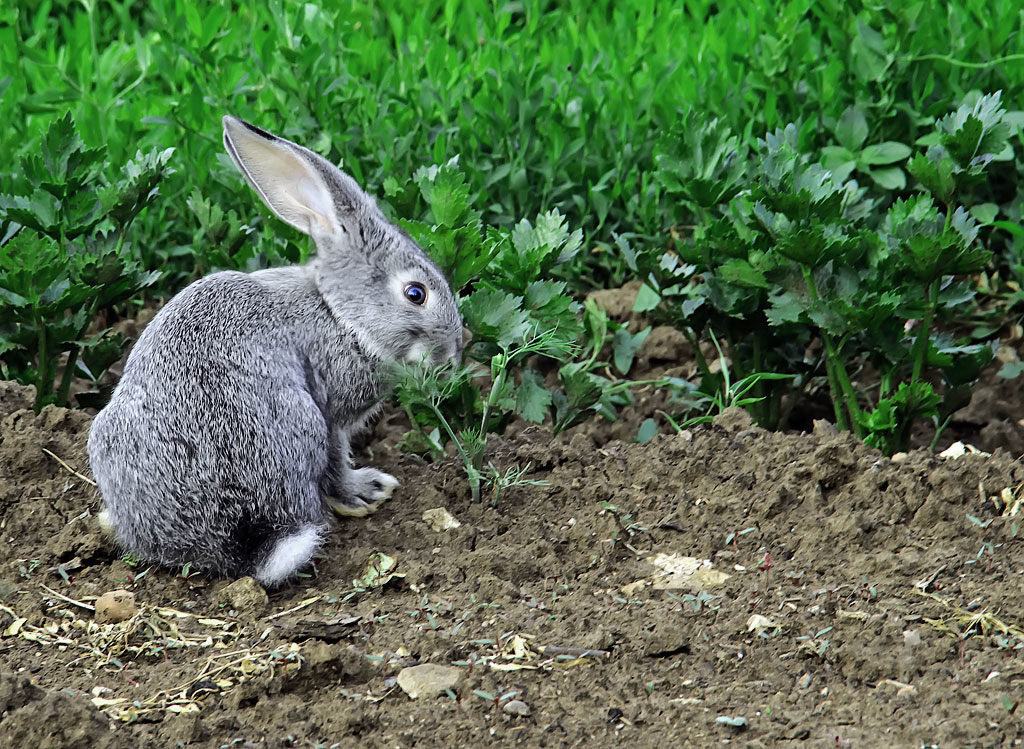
(367, 489)
(371, 485)
(106, 524)
(290, 553)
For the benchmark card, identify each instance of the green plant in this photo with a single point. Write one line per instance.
(625, 527)
(730, 394)
(65, 259)
(551, 106)
(516, 313)
(800, 275)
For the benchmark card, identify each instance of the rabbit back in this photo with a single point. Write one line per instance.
(213, 438)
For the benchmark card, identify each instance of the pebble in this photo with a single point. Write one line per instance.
(911, 638)
(246, 596)
(429, 679)
(115, 606)
(517, 707)
(439, 519)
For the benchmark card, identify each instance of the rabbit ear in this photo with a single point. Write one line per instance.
(288, 178)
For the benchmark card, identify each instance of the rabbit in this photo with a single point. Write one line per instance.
(226, 443)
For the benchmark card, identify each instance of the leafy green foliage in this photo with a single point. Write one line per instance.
(65, 259)
(515, 314)
(550, 106)
(798, 263)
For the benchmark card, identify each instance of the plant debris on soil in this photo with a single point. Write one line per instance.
(721, 585)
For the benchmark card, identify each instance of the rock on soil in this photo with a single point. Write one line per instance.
(429, 680)
(245, 597)
(115, 606)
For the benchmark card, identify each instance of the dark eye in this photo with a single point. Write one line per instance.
(416, 293)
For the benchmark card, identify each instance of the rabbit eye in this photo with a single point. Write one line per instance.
(416, 293)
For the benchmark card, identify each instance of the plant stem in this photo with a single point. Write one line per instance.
(702, 363)
(842, 421)
(920, 353)
(69, 373)
(472, 473)
(762, 416)
(42, 374)
(839, 379)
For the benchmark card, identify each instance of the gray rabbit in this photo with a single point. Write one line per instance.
(226, 442)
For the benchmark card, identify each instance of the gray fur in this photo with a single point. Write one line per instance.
(228, 436)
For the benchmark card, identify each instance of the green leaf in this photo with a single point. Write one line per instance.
(985, 213)
(648, 430)
(625, 347)
(701, 160)
(495, 316)
(888, 152)
(532, 397)
(581, 389)
(742, 273)
(934, 170)
(787, 307)
(892, 178)
(852, 128)
(646, 299)
(444, 188)
(1011, 370)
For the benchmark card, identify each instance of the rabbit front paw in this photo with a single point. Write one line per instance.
(364, 491)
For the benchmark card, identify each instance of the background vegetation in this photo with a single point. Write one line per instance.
(697, 150)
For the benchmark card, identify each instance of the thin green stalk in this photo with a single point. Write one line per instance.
(839, 379)
(848, 394)
(473, 474)
(419, 428)
(760, 386)
(842, 421)
(939, 429)
(492, 397)
(69, 373)
(920, 352)
(702, 363)
(42, 374)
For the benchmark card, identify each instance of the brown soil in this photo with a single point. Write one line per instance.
(891, 595)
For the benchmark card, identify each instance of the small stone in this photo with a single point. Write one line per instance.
(824, 429)
(804, 682)
(439, 519)
(734, 419)
(667, 639)
(182, 730)
(758, 624)
(666, 344)
(899, 457)
(517, 707)
(429, 679)
(246, 596)
(115, 606)
(911, 638)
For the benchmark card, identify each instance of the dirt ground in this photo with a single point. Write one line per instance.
(725, 585)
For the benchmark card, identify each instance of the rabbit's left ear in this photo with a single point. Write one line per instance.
(285, 176)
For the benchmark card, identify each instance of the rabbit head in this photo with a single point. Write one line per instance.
(372, 275)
